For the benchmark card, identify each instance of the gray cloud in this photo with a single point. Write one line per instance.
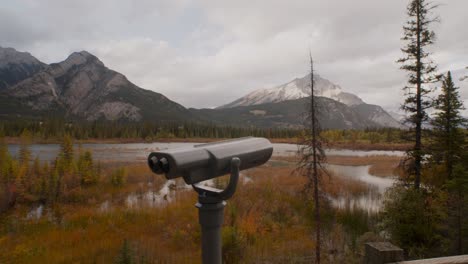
(207, 53)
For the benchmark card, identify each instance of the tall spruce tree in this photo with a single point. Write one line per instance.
(125, 254)
(312, 156)
(448, 138)
(450, 150)
(458, 207)
(66, 152)
(411, 216)
(421, 72)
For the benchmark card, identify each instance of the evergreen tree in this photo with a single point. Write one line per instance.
(414, 219)
(125, 254)
(64, 167)
(458, 207)
(24, 151)
(44, 184)
(449, 150)
(37, 175)
(4, 161)
(421, 72)
(118, 177)
(23, 177)
(66, 152)
(37, 167)
(448, 137)
(54, 185)
(86, 169)
(21, 182)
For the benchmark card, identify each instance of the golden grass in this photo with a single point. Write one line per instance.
(88, 236)
(270, 217)
(139, 180)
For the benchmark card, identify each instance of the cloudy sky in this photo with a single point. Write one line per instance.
(207, 53)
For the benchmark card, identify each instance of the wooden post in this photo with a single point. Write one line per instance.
(382, 252)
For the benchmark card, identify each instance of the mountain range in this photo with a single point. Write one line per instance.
(16, 66)
(295, 89)
(371, 115)
(82, 88)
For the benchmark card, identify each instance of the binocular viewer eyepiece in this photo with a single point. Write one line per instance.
(158, 166)
(207, 161)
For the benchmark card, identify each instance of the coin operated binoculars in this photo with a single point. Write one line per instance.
(207, 161)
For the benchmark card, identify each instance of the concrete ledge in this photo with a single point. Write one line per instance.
(382, 253)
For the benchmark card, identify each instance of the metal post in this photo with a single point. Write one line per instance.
(211, 203)
(211, 217)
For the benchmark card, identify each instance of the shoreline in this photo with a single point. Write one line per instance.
(333, 145)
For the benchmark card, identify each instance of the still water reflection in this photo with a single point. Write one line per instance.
(132, 152)
(370, 200)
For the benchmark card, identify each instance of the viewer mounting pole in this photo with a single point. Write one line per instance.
(208, 161)
(211, 203)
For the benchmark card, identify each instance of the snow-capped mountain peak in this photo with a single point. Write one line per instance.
(295, 89)
(300, 88)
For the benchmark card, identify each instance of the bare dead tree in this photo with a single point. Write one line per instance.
(312, 157)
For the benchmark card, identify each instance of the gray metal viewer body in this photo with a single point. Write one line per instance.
(208, 161)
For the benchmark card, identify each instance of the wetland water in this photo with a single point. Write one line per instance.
(370, 200)
(132, 152)
(138, 152)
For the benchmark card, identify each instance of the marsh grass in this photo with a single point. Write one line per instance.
(266, 220)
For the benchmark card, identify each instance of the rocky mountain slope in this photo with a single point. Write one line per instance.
(16, 66)
(377, 115)
(300, 88)
(82, 87)
(288, 114)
